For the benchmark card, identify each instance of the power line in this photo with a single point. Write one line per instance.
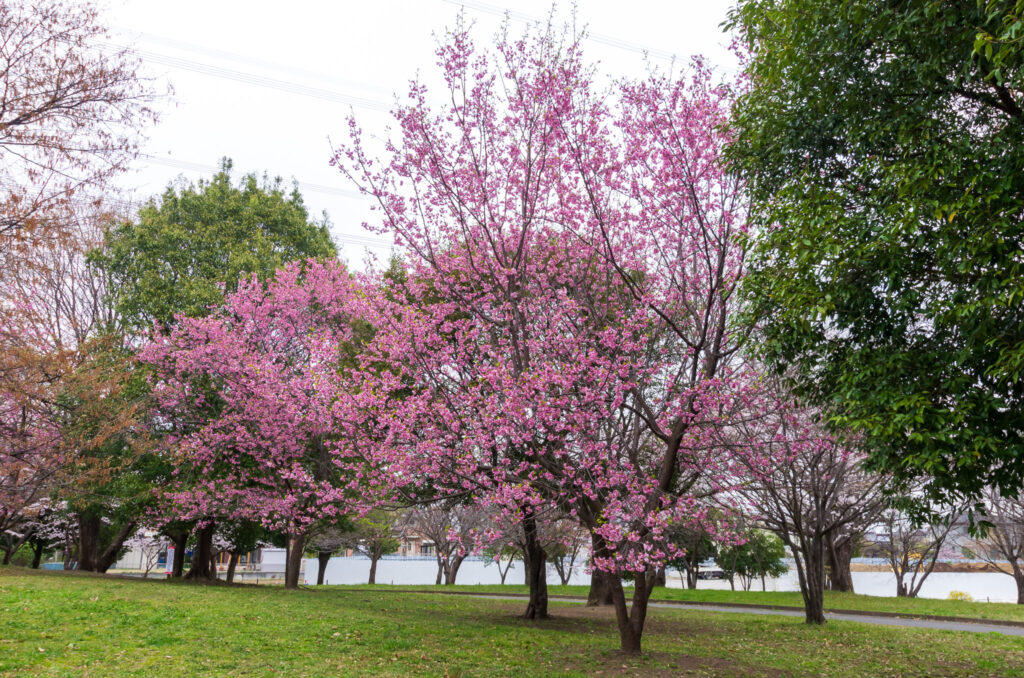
(174, 43)
(247, 78)
(202, 167)
(131, 206)
(609, 40)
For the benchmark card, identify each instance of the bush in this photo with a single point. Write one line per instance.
(962, 596)
(22, 557)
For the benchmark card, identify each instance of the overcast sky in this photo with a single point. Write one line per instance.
(269, 83)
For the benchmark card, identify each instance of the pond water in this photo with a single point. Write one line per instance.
(982, 586)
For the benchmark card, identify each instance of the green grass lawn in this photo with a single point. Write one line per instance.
(63, 624)
(833, 601)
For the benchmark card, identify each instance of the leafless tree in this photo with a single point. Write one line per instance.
(567, 544)
(1005, 538)
(807, 486)
(71, 108)
(452, 528)
(912, 548)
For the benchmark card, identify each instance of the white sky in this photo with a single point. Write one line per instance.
(268, 83)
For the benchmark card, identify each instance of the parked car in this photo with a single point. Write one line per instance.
(711, 573)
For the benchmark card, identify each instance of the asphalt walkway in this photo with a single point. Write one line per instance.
(972, 626)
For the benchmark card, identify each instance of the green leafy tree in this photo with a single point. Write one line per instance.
(185, 249)
(884, 144)
(373, 535)
(180, 255)
(759, 556)
(107, 468)
(697, 546)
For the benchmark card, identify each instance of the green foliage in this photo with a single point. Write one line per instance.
(108, 467)
(22, 557)
(243, 535)
(886, 164)
(194, 242)
(697, 547)
(373, 534)
(999, 42)
(759, 556)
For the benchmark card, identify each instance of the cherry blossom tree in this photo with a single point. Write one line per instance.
(247, 395)
(149, 546)
(59, 350)
(569, 545)
(562, 340)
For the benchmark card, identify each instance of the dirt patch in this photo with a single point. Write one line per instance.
(582, 619)
(615, 664)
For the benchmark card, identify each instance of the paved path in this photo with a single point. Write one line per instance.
(866, 618)
(981, 626)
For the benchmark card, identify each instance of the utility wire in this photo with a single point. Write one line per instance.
(247, 78)
(201, 167)
(609, 40)
(245, 59)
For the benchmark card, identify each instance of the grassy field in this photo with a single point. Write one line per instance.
(833, 601)
(62, 624)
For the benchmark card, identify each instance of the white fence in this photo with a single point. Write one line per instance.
(423, 570)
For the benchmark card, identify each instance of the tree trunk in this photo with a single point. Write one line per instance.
(440, 570)
(600, 588)
(813, 587)
(296, 544)
(70, 555)
(178, 566)
(109, 556)
(201, 555)
(452, 569)
(232, 564)
(322, 558)
(631, 619)
(88, 542)
(373, 569)
(37, 553)
(600, 581)
(901, 590)
(840, 553)
(1018, 575)
(659, 577)
(8, 554)
(691, 577)
(535, 560)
